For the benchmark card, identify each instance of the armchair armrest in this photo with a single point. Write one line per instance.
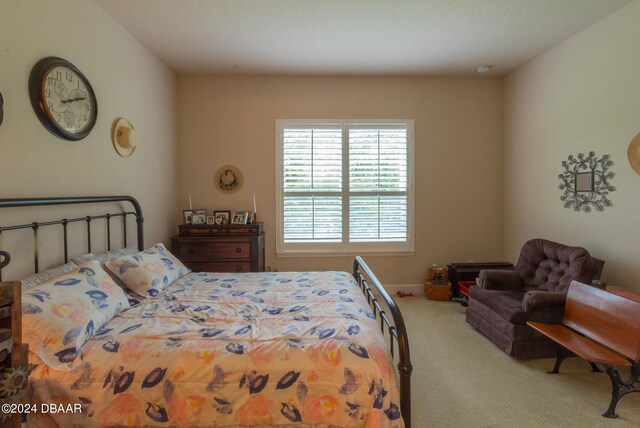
(491, 279)
(543, 299)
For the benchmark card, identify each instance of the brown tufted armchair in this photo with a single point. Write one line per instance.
(535, 291)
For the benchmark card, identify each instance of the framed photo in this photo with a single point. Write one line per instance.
(240, 217)
(198, 219)
(187, 215)
(222, 217)
(200, 212)
(211, 219)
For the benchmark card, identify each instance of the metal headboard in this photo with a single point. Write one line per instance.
(35, 226)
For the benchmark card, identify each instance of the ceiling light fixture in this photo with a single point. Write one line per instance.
(484, 68)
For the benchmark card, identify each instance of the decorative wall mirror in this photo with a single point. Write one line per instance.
(585, 182)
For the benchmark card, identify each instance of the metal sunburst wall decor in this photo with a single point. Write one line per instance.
(585, 182)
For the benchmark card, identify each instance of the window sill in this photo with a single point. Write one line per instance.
(333, 253)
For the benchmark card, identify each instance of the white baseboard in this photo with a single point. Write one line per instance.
(406, 288)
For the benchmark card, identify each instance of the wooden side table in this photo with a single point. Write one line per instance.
(220, 248)
(13, 353)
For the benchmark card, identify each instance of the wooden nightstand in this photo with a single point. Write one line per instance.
(220, 248)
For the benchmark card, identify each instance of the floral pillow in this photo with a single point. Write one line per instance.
(148, 272)
(61, 315)
(103, 258)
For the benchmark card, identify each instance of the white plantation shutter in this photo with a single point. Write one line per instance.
(312, 183)
(344, 186)
(378, 183)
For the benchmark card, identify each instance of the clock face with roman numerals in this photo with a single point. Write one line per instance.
(62, 98)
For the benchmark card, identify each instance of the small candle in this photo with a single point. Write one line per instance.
(190, 205)
(254, 203)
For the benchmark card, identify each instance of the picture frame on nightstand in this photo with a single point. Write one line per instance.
(187, 216)
(199, 219)
(240, 217)
(222, 217)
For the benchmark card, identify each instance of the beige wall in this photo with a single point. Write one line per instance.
(129, 82)
(580, 96)
(458, 129)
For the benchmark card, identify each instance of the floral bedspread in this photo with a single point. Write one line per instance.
(294, 349)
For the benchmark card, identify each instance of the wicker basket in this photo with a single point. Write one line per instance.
(437, 291)
(437, 274)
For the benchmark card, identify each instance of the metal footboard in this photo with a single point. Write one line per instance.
(395, 328)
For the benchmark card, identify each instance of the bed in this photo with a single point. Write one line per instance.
(179, 348)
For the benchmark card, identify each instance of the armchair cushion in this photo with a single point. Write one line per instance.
(500, 280)
(519, 306)
(506, 303)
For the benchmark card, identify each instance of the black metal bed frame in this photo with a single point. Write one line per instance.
(35, 226)
(361, 272)
(396, 329)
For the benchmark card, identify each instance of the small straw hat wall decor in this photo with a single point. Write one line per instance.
(228, 179)
(124, 137)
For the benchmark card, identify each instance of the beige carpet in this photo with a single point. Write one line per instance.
(460, 379)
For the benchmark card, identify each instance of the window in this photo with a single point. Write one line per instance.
(344, 186)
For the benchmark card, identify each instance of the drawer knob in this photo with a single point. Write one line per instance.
(238, 250)
(238, 268)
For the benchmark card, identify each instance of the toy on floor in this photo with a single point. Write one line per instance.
(403, 294)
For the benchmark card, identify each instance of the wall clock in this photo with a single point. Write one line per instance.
(62, 98)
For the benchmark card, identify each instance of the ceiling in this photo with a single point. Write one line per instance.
(353, 37)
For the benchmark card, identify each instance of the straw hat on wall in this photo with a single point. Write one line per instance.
(228, 179)
(124, 137)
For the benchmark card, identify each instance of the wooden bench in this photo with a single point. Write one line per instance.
(600, 327)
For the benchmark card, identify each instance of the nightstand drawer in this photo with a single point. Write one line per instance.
(230, 266)
(222, 250)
